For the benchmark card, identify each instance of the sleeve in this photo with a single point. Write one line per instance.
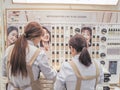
(101, 77)
(4, 63)
(4, 60)
(45, 68)
(60, 80)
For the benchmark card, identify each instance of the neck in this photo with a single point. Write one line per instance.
(8, 43)
(76, 54)
(34, 42)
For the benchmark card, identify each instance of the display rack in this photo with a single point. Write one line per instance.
(63, 24)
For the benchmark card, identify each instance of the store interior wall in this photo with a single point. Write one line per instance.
(8, 4)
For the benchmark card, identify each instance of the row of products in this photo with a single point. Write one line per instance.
(62, 30)
(113, 39)
(113, 51)
(98, 55)
(68, 54)
(60, 38)
(95, 46)
(95, 54)
(61, 54)
(59, 46)
(56, 64)
(113, 43)
(95, 38)
(114, 31)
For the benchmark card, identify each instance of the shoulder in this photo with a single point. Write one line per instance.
(11, 46)
(66, 71)
(41, 56)
(8, 49)
(98, 64)
(32, 49)
(66, 66)
(6, 53)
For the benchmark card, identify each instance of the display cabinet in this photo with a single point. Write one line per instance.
(63, 24)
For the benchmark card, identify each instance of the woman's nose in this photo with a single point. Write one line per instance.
(85, 36)
(14, 38)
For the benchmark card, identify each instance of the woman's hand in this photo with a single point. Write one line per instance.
(45, 45)
(46, 38)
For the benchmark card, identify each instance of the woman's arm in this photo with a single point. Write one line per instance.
(4, 61)
(60, 80)
(45, 68)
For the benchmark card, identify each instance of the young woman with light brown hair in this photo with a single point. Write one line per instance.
(23, 61)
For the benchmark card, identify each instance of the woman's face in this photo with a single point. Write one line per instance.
(46, 36)
(86, 34)
(12, 37)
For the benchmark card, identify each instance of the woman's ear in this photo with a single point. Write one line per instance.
(72, 50)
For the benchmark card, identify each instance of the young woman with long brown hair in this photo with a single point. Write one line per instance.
(23, 61)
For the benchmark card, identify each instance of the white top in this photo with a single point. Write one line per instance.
(67, 78)
(40, 64)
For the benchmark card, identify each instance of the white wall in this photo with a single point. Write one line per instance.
(9, 4)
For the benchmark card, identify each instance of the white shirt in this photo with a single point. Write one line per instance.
(40, 64)
(67, 78)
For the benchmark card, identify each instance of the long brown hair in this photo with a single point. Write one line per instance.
(79, 43)
(18, 56)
